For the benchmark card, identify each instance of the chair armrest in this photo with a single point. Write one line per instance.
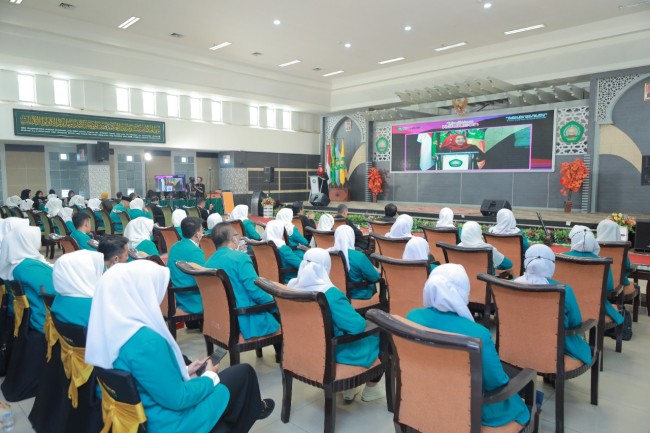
(371, 328)
(364, 283)
(261, 224)
(584, 327)
(516, 384)
(288, 270)
(256, 308)
(302, 247)
(183, 289)
(504, 275)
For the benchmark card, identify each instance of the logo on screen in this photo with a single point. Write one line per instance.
(455, 163)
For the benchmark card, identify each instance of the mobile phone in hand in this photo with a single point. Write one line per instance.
(216, 358)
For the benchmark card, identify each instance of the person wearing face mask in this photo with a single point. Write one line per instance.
(115, 249)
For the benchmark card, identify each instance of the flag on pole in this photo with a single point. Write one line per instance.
(328, 158)
(333, 163)
(343, 172)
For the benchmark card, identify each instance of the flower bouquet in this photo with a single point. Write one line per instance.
(268, 201)
(623, 220)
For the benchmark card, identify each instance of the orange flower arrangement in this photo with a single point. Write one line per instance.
(375, 181)
(573, 175)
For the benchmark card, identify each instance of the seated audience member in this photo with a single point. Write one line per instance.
(359, 266)
(472, 237)
(122, 206)
(285, 215)
(39, 200)
(13, 201)
(7, 225)
(240, 212)
(418, 249)
(359, 241)
(78, 201)
(446, 294)
(75, 277)
(313, 276)
(108, 205)
(187, 249)
(66, 215)
(24, 194)
(139, 231)
(540, 267)
(390, 213)
(104, 196)
(177, 217)
(205, 212)
(583, 244)
(289, 258)
(241, 272)
(136, 209)
(134, 338)
(213, 220)
(115, 249)
(306, 221)
(609, 231)
(446, 218)
(507, 225)
(71, 194)
(26, 204)
(325, 222)
(401, 228)
(95, 206)
(119, 196)
(133, 196)
(156, 209)
(81, 222)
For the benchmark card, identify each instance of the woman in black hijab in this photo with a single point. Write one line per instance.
(38, 199)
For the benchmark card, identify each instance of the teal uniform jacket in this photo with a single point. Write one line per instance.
(249, 230)
(239, 267)
(346, 321)
(33, 274)
(297, 239)
(290, 259)
(117, 222)
(98, 218)
(147, 246)
(82, 239)
(496, 414)
(505, 264)
(610, 310)
(187, 250)
(361, 269)
(526, 243)
(136, 213)
(75, 311)
(179, 231)
(171, 405)
(69, 226)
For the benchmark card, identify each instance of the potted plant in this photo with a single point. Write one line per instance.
(626, 223)
(267, 205)
(573, 175)
(375, 183)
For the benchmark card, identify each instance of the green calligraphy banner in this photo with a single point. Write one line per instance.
(32, 123)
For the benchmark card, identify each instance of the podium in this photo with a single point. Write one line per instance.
(457, 161)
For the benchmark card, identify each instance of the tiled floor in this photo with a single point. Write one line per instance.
(623, 404)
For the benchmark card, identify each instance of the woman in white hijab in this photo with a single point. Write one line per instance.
(213, 220)
(507, 225)
(177, 217)
(26, 204)
(540, 267)
(446, 218)
(9, 224)
(66, 215)
(360, 268)
(94, 204)
(13, 201)
(127, 331)
(53, 207)
(446, 294)
(295, 238)
(325, 222)
(418, 249)
(289, 258)
(240, 212)
(77, 200)
(75, 277)
(313, 276)
(609, 231)
(136, 209)
(138, 231)
(472, 237)
(401, 228)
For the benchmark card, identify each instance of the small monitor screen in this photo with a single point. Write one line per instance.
(170, 182)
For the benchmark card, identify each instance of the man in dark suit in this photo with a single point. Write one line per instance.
(390, 214)
(307, 221)
(205, 213)
(158, 216)
(359, 241)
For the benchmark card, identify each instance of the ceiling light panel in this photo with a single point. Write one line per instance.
(128, 23)
(524, 29)
(449, 47)
(333, 73)
(293, 62)
(219, 46)
(396, 59)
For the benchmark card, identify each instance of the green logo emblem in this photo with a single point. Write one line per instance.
(455, 163)
(382, 145)
(572, 132)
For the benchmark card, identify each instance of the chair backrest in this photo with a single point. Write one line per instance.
(228, 201)
(4, 212)
(323, 238)
(238, 226)
(588, 279)
(74, 335)
(93, 219)
(405, 279)
(306, 331)
(109, 229)
(167, 213)
(119, 385)
(475, 261)
(15, 211)
(68, 244)
(433, 235)
(165, 237)
(60, 224)
(338, 222)
(207, 246)
(193, 211)
(425, 359)
(124, 219)
(530, 326)
(380, 227)
(297, 221)
(618, 252)
(267, 260)
(511, 246)
(32, 217)
(339, 271)
(48, 228)
(390, 247)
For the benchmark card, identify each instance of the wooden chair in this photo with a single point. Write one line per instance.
(511, 246)
(530, 334)
(618, 251)
(338, 222)
(124, 219)
(109, 226)
(16, 212)
(323, 238)
(4, 212)
(167, 213)
(238, 226)
(475, 261)
(48, 230)
(66, 242)
(207, 246)
(221, 324)
(165, 237)
(433, 235)
(192, 211)
(121, 404)
(228, 201)
(405, 282)
(308, 349)
(588, 279)
(424, 359)
(297, 221)
(59, 224)
(380, 227)
(267, 261)
(341, 279)
(33, 218)
(94, 223)
(390, 247)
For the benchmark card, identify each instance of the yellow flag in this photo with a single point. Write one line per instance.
(343, 172)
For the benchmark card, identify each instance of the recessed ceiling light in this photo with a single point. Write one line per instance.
(16, 1)
(632, 5)
(176, 35)
(256, 54)
(293, 62)
(487, 5)
(221, 45)
(524, 29)
(317, 69)
(448, 47)
(333, 73)
(66, 6)
(408, 28)
(128, 23)
(276, 22)
(347, 45)
(396, 59)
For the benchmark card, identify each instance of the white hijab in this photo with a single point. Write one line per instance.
(325, 222)
(213, 220)
(344, 241)
(539, 264)
(447, 290)
(136, 203)
(401, 228)
(51, 196)
(66, 214)
(608, 231)
(583, 240)
(53, 207)
(178, 216)
(506, 223)
(446, 218)
(26, 204)
(274, 231)
(138, 230)
(416, 249)
(77, 200)
(286, 216)
(128, 298)
(472, 237)
(76, 274)
(22, 243)
(314, 272)
(13, 201)
(9, 224)
(240, 212)
(94, 203)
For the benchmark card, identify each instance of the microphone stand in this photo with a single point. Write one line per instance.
(209, 194)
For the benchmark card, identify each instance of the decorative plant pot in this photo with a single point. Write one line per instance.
(374, 198)
(339, 194)
(568, 205)
(624, 233)
(268, 211)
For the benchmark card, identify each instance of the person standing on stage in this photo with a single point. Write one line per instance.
(199, 187)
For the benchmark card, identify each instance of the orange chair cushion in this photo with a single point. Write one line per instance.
(511, 427)
(571, 364)
(344, 371)
(250, 340)
(365, 303)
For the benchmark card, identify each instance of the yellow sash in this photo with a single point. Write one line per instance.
(3, 290)
(51, 334)
(121, 417)
(76, 369)
(20, 304)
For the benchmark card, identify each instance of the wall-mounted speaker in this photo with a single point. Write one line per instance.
(269, 174)
(642, 236)
(102, 151)
(645, 170)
